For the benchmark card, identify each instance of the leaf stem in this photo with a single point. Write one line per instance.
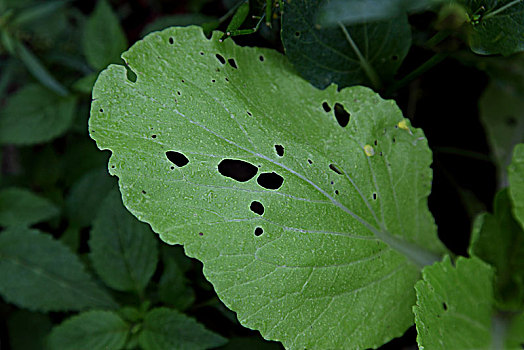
(424, 67)
(497, 11)
(370, 72)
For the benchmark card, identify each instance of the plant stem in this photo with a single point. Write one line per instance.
(437, 38)
(430, 63)
(370, 72)
(497, 11)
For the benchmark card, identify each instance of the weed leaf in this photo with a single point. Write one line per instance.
(21, 207)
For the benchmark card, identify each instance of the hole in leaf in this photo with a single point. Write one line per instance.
(444, 306)
(232, 63)
(213, 80)
(153, 136)
(342, 115)
(237, 169)
(326, 107)
(261, 58)
(101, 110)
(249, 113)
(394, 58)
(280, 150)
(177, 158)
(310, 161)
(394, 140)
(270, 181)
(376, 143)
(220, 58)
(171, 41)
(143, 192)
(227, 79)
(257, 208)
(259, 231)
(297, 34)
(335, 169)
(336, 192)
(201, 53)
(178, 93)
(374, 196)
(172, 167)
(130, 75)
(201, 233)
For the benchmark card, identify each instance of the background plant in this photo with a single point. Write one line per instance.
(54, 181)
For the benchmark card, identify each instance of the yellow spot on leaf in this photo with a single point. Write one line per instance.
(403, 125)
(369, 150)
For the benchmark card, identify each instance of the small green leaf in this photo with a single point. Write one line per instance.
(86, 195)
(516, 180)
(502, 113)
(454, 305)
(495, 26)
(455, 309)
(35, 115)
(104, 38)
(166, 329)
(331, 209)
(28, 330)
(91, 330)
(85, 84)
(358, 11)
(361, 54)
(21, 207)
(40, 273)
(124, 251)
(499, 240)
(173, 287)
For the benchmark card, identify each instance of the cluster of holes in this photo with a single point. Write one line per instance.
(222, 60)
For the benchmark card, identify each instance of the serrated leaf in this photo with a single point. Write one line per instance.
(86, 196)
(91, 330)
(498, 239)
(21, 207)
(358, 11)
(360, 54)
(104, 38)
(495, 26)
(124, 251)
(455, 309)
(28, 330)
(35, 115)
(516, 180)
(502, 113)
(173, 287)
(40, 273)
(167, 329)
(288, 260)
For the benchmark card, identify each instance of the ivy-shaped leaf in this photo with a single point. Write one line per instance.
(359, 54)
(308, 208)
(455, 309)
(495, 26)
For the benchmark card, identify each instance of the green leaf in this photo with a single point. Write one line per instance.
(21, 207)
(38, 70)
(166, 329)
(86, 195)
(345, 212)
(35, 115)
(454, 305)
(495, 26)
(173, 287)
(104, 38)
(40, 273)
(242, 343)
(38, 11)
(361, 54)
(358, 11)
(85, 84)
(91, 330)
(516, 180)
(124, 251)
(499, 240)
(28, 330)
(502, 113)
